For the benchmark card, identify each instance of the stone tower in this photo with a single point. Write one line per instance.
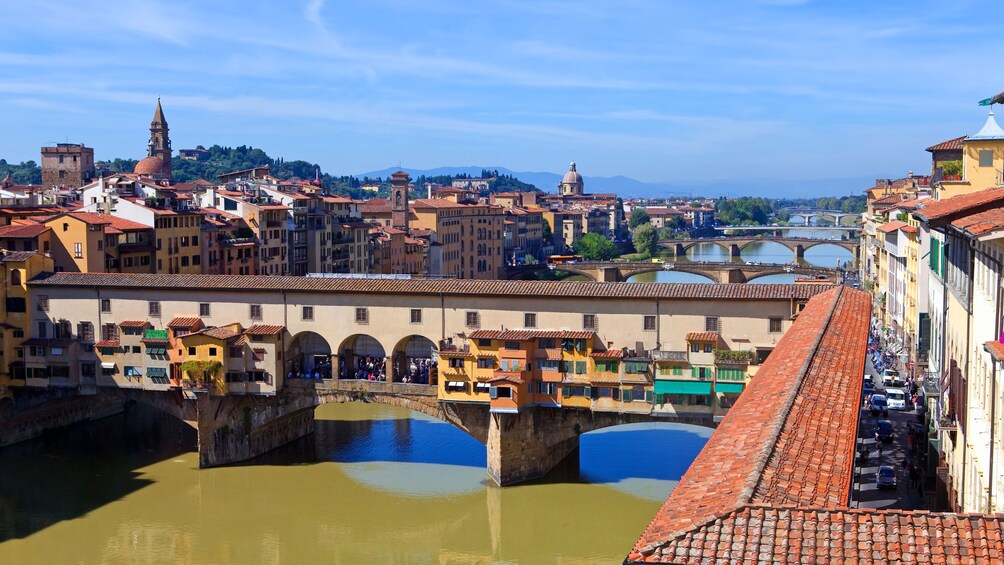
(571, 184)
(399, 200)
(160, 142)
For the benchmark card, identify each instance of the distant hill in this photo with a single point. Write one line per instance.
(628, 187)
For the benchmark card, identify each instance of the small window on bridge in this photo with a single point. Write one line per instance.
(416, 316)
(529, 320)
(712, 324)
(362, 315)
(589, 322)
(473, 320)
(775, 325)
(649, 323)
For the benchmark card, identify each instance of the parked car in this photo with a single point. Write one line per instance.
(883, 431)
(879, 405)
(895, 398)
(885, 478)
(867, 389)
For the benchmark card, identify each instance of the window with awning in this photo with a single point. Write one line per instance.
(682, 387)
(729, 388)
(156, 371)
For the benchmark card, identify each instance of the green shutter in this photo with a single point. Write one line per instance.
(678, 370)
(695, 372)
(615, 393)
(613, 366)
(587, 392)
(626, 394)
(580, 367)
(566, 391)
(493, 392)
(648, 396)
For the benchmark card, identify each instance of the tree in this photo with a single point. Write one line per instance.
(645, 239)
(547, 234)
(638, 217)
(595, 247)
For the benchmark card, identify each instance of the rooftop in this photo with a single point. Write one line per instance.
(941, 212)
(951, 144)
(521, 335)
(981, 223)
(556, 289)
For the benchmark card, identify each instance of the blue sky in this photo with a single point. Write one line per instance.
(658, 90)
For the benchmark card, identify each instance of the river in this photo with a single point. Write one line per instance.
(374, 484)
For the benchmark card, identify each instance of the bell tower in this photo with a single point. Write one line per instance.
(399, 200)
(160, 142)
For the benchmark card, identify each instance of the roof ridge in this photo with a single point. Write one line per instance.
(767, 452)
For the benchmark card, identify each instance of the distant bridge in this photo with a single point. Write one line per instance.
(808, 213)
(612, 271)
(735, 245)
(848, 229)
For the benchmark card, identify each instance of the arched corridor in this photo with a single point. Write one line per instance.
(361, 356)
(416, 360)
(308, 356)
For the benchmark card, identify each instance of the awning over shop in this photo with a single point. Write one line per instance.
(729, 388)
(682, 387)
(107, 365)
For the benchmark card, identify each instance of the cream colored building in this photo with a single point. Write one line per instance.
(982, 161)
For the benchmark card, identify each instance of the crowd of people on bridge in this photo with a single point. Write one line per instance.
(322, 370)
(418, 370)
(367, 368)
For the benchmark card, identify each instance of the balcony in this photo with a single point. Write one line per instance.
(946, 424)
(681, 356)
(730, 357)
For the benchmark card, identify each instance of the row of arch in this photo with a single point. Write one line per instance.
(790, 245)
(696, 270)
(843, 220)
(414, 359)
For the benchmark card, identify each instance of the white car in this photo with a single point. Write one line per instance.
(888, 376)
(896, 397)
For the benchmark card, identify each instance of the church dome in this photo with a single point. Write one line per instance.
(572, 176)
(149, 166)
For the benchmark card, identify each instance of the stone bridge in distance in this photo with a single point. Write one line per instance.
(735, 245)
(614, 271)
(231, 429)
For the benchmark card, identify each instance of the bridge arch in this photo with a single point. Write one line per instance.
(725, 245)
(416, 360)
(308, 353)
(676, 267)
(574, 271)
(361, 356)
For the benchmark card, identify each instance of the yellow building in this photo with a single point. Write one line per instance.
(177, 233)
(18, 268)
(470, 235)
(982, 162)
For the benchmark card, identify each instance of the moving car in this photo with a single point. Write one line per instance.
(879, 405)
(886, 477)
(888, 376)
(883, 431)
(896, 398)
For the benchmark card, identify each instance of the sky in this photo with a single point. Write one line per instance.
(658, 90)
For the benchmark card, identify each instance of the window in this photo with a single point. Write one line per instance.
(154, 308)
(711, 324)
(78, 250)
(649, 323)
(547, 364)
(308, 312)
(986, 158)
(18, 333)
(457, 362)
(43, 303)
(106, 305)
(707, 348)
(529, 320)
(136, 349)
(580, 367)
(212, 352)
(500, 392)
(775, 325)
(416, 316)
(512, 345)
(547, 343)
(589, 322)
(42, 330)
(203, 309)
(255, 311)
(109, 332)
(15, 276)
(362, 315)
(85, 331)
(695, 347)
(191, 350)
(473, 320)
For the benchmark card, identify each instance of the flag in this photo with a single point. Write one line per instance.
(986, 102)
(995, 99)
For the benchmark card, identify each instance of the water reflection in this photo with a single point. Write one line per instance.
(669, 277)
(374, 484)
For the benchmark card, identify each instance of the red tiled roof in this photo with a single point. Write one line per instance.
(995, 349)
(549, 353)
(938, 213)
(134, 324)
(608, 354)
(892, 226)
(702, 336)
(263, 329)
(455, 287)
(947, 145)
(788, 441)
(908, 229)
(107, 343)
(31, 230)
(506, 378)
(185, 322)
(218, 333)
(981, 223)
(520, 335)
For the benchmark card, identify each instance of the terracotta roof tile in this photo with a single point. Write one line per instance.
(947, 145)
(702, 336)
(520, 335)
(264, 329)
(608, 354)
(16, 256)
(981, 223)
(107, 343)
(995, 349)
(555, 289)
(892, 226)
(184, 322)
(217, 333)
(941, 212)
(134, 324)
(17, 231)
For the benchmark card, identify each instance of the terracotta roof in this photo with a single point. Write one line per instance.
(30, 230)
(702, 336)
(995, 349)
(908, 229)
(549, 353)
(939, 213)
(506, 378)
(107, 343)
(519, 335)
(263, 329)
(217, 333)
(981, 223)
(186, 322)
(467, 287)
(788, 441)
(892, 226)
(16, 256)
(947, 145)
(608, 354)
(134, 324)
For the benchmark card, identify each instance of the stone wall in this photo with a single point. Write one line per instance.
(33, 413)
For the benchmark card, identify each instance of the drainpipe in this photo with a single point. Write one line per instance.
(969, 329)
(658, 326)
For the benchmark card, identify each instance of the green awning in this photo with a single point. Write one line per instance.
(729, 388)
(682, 387)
